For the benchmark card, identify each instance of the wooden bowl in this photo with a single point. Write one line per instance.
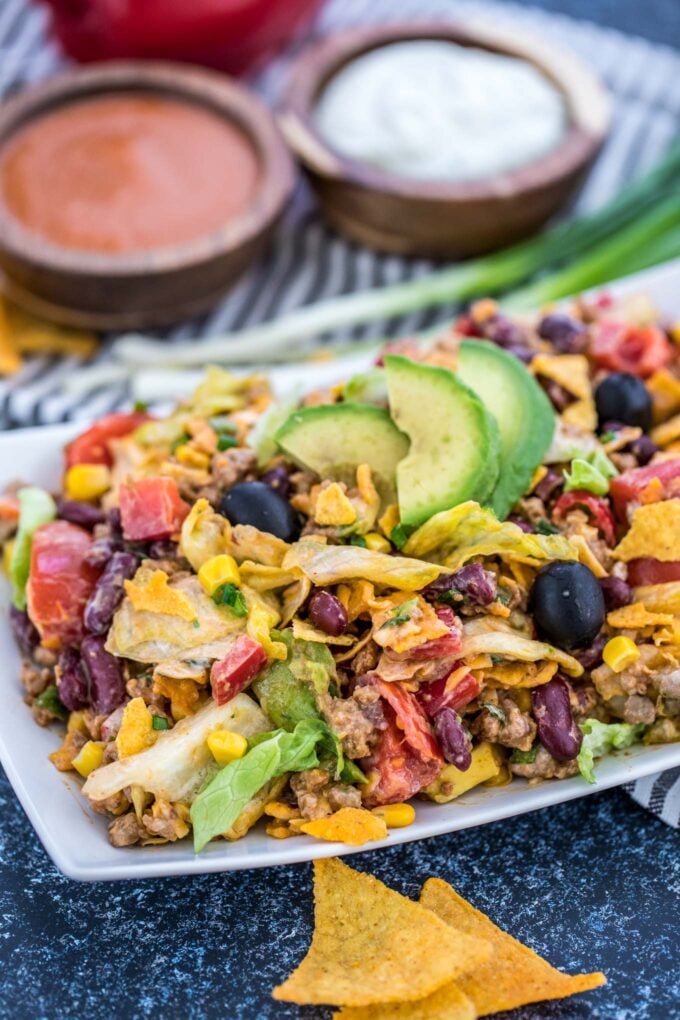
(160, 286)
(447, 219)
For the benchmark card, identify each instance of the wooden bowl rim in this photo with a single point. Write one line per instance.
(206, 88)
(588, 104)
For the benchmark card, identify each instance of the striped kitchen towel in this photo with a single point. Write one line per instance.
(308, 262)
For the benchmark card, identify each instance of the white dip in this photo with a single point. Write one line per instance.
(432, 110)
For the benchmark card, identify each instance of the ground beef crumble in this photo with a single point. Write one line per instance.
(518, 730)
(544, 767)
(318, 797)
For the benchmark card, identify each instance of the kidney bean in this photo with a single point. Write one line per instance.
(277, 478)
(327, 612)
(163, 549)
(25, 634)
(567, 335)
(549, 485)
(559, 397)
(591, 656)
(107, 686)
(617, 593)
(101, 551)
(72, 683)
(453, 739)
(76, 512)
(108, 592)
(503, 332)
(472, 583)
(557, 729)
(643, 449)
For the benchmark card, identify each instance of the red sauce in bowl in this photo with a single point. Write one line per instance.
(128, 172)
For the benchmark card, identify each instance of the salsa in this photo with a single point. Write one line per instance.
(128, 172)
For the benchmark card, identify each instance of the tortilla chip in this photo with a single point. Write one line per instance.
(587, 556)
(10, 362)
(32, 335)
(570, 371)
(514, 975)
(182, 692)
(136, 732)
(637, 615)
(153, 594)
(306, 632)
(664, 389)
(519, 674)
(667, 433)
(660, 598)
(655, 532)
(333, 507)
(353, 826)
(372, 945)
(449, 1003)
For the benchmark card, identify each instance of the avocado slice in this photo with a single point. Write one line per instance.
(333, 439)
(454, 440)
(525, 416)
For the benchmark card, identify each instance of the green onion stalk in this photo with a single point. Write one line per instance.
(591, 248)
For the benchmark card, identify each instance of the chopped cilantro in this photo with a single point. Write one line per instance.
(495, 711)
(607, 437)
(399, 535)
(140, 405)
(225, 442)
(222, 423)
(504, 596)
(524, 757)
(401, 614)
(49, 699)
(159, 723)
(180, 441)
(196, 624)
(358, 540)
(231, 596)
(544, 527)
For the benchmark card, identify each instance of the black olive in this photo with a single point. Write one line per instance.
(258, 504)
(625, 398)
(567, 604)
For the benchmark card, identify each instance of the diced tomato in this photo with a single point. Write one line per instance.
(645, 485)
(442, 647)
(646, 570)
(411, 718)
(436, 695)
(151, 508)
(624, 347)
(597, 510)
(92, 446)
(395, 770)
(60, 582)
(9, 508)
(233, 673)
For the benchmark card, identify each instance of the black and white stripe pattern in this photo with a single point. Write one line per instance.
(308, 262)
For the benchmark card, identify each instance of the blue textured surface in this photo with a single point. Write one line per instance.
(592, 885)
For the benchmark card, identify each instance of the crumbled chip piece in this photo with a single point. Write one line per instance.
(519, 674)
(514, 975)
(449, 1003)
(668, 432)
(660, 598)
(333, 507)
(570, 371)
(153, 594)
(654, 531)
(664, 389)
(306, 632)
(182, 692)
(136, 731)
(353, 826)
(390, 950)
(637, 615)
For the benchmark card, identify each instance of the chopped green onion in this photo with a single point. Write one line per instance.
(399, 535)
(49, 700)
(524, 757)
(180, 441)
(159, 723)
(358, 540)
(225, 442)
(401, 614)
(544, 527)
(495, 711)
(231, 596)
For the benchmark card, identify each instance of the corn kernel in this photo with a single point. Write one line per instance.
(219, 570)
(377, 543)
(89, 758)
(538, 476)
(620, 652)
(76, 723)
(226, 746)
(279, 831)
(396, 816)
(190, 457)
(7, 551)
(87, 481)
(389, 519)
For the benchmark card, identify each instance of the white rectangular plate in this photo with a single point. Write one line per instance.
(75, 836)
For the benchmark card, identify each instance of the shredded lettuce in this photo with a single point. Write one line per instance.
(600, 738)
(327, 564)
(222, 800)
(592, 472)
(36, 507)
(179, 762)
(455, 536)
(261, 436)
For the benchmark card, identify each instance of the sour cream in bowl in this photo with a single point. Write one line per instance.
(439, 139)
